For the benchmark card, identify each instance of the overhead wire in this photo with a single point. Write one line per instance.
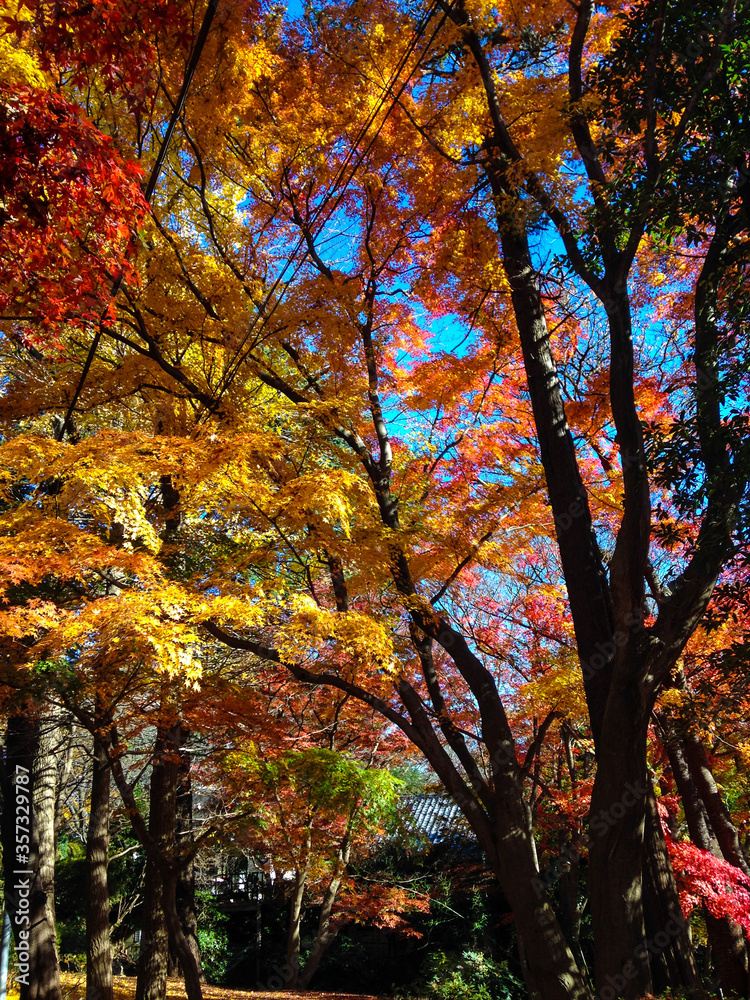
(263, 317)
(147, 195)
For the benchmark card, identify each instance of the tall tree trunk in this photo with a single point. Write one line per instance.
(667, 931)
(185, 891)
(26, 871)
(154, 952)
(29, 790)
(154, 945)
(177, 938)
(728, 945)
(721, 822)
(616, 823)
(292, 972)
(326, 935)
(44, 957)
(98, 945)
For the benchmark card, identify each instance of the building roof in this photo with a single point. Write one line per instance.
(437, 817)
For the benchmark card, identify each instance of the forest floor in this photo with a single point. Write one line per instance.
(74, 988)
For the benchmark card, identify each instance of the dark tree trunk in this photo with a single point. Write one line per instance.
(667, 931)
(292, 970)
(616, 857)
(324, 938)
(19, 752)
(154, 944)
(161, 924)
(30, 783)
(326, 934)
(721, 822)
(185, 892)
(98, 945)
(177, 937)
(729, 952)
(728, 945)
(154, 952)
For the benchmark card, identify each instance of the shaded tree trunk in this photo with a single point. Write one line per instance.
(185, 890)
(177, 938)
(98, 945)
(326, 934)
(728, 945)
(617, 822)
(154, 951)
(292, 972)
(667, 932)
(718, 815)
(30, 784)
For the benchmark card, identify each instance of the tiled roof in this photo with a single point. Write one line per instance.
(437, 817)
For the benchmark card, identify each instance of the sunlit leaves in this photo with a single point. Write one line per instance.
(70, 204)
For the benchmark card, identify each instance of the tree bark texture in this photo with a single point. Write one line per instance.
(98, 945)
(729, 949)
(154, 952)
(671, 953)
(32, 743)
(185, 891)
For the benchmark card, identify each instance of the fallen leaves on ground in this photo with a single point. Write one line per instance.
(74, 988)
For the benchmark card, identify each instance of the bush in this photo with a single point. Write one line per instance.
(213, 938)
(214, 948)
(469, 976)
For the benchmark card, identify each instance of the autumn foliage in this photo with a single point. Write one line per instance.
(411, 412)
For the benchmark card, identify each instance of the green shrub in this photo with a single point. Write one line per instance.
(214, 947)
(213, 938)
(468, 976)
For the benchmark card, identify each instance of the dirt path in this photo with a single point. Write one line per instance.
(74, 988)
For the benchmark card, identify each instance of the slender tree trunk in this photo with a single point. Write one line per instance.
(728, 945)
(721, 822)
(154, 953)
(98, 945)
(324, 938)
(64, 770)
(185, 891)
(293, 937)
(673, 961)
(326, 935)
(44, 957)
(620, 736)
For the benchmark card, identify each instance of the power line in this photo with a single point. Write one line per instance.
(263, 317)
(150, 187)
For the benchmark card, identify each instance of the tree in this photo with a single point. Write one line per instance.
(390, 171)
(318, 806)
